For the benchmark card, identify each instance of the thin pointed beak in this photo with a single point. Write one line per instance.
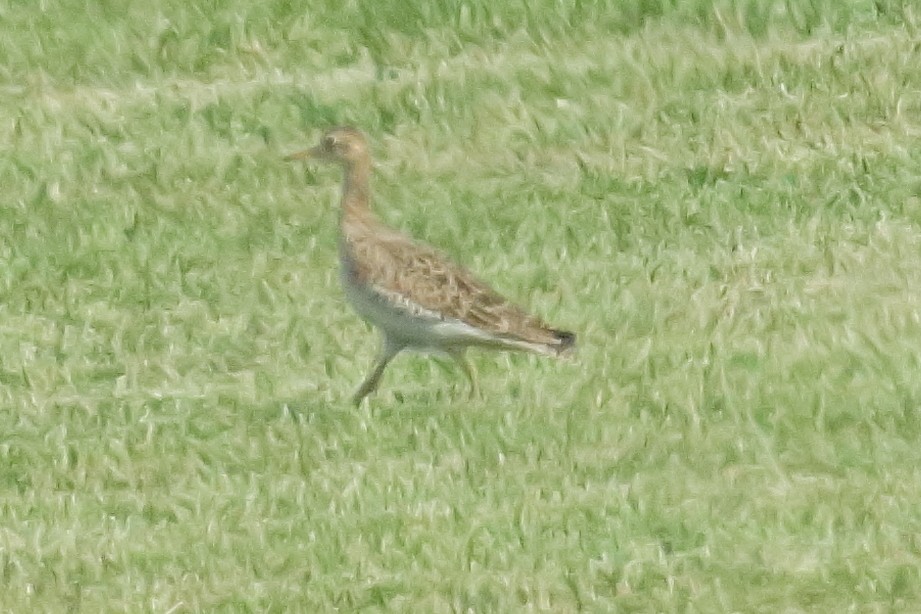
(307, 154)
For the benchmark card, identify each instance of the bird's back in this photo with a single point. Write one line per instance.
(409, 288)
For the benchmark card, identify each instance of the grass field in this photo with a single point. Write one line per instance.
(722, 199)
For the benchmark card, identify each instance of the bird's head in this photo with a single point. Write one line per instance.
(345, 145)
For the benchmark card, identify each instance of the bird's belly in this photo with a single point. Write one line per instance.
(403, 321)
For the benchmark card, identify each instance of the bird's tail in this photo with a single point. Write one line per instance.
(566, 342)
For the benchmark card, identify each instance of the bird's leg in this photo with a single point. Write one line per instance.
(460, 357)
(389, 349)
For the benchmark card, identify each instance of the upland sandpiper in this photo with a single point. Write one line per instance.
(412, 293)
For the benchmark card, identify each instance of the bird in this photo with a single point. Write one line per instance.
(416, 296)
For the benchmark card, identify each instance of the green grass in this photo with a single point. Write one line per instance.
(722, 199)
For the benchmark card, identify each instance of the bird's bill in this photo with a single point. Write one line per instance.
(313, 153)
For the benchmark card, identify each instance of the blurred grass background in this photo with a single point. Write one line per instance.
(721, 198)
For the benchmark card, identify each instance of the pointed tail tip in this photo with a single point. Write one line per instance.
(567, 342)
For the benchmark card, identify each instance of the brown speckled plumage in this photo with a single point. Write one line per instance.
(413, 293)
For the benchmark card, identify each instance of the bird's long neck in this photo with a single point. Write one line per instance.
(356, 192)
(356, 222)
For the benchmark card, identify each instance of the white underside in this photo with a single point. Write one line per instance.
(410, 325)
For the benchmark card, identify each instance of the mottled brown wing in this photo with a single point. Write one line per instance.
(396, 264)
